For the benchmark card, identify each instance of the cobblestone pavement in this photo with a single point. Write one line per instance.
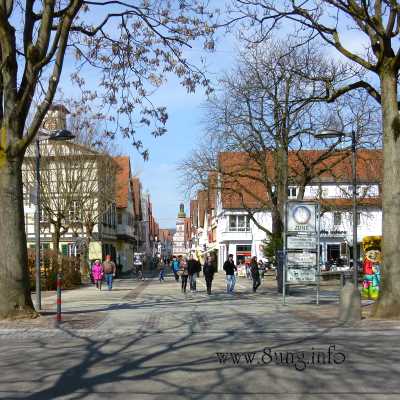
(148, 340)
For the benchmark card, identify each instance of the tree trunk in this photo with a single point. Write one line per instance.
(388, 304)
(56, 237)
(15, 296)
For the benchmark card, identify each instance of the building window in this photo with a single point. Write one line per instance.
(239, 223)
(119, 218)
(292, 192)
(337, 218)
(74, 211)
(44, 217)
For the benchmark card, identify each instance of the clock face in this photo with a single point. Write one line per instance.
(301, 215)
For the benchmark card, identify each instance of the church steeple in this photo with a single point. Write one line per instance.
(181, 213)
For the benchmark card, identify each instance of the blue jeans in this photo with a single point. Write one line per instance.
(109, 280)
(192, 281)
(230, 283)
(161, 277)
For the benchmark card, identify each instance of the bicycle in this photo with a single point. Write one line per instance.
(139, 272)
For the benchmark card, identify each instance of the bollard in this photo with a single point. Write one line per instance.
(59, 296)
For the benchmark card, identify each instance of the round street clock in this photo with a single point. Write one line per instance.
(301, 215)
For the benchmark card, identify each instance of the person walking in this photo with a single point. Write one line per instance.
(175, 267)
(97, 273)
(162, 267)
(183, 271)
(208, 272)
(255, 274)
(230, 268)
(109, 270)
(194, 269)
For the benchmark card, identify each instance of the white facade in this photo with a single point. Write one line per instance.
(78, 166)
(179, 246)
(238, 235)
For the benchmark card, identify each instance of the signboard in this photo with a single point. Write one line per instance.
(301, 217)
(302, 234)
(302, 259)
(302, 242)
(301, 267)
(95, 252)
(301, 275)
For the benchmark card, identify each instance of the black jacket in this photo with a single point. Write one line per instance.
(229, 267)
(193, 267)
(208, 271)
(255, 273)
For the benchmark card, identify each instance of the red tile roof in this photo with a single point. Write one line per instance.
(122, 181)
(136, 194)
(242, 184)
(165, 235)
(194, 208)
(202, 197)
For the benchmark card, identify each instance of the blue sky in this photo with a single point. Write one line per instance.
(160, 175)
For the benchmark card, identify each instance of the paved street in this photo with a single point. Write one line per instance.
(146, 340)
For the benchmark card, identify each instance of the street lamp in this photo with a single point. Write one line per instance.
(59, 135)
(350, 296)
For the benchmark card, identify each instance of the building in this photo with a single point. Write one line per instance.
(77, 195)
(180, 238)
(125, 201)
(90, 202)
(224, 225)
(166, 246)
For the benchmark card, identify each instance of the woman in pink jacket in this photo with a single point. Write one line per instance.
(97, 273)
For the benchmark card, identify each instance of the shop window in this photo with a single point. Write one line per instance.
(337, 218)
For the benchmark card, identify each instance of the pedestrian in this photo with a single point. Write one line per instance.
(175, 267)
(230, 268)
(183, 271)
(255, 274)
(247, 267)
(97, 273)
(194, 268)
(208, 272)
(162, 271)
(109, 271)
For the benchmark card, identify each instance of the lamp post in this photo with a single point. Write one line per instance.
(60, 135)
(350, 302)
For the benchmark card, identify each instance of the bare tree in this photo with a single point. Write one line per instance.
(378, 22)
(131, 47)
(267, 113)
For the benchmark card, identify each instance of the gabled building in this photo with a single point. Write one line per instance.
(166, 247)
(125, 205)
